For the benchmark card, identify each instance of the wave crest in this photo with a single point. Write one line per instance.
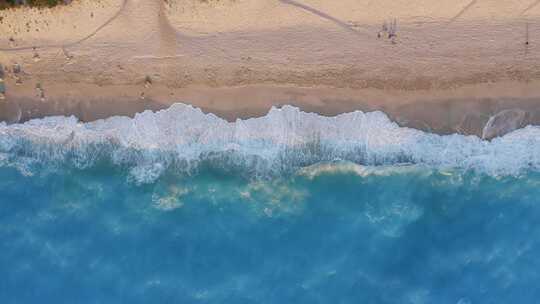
(184, 138)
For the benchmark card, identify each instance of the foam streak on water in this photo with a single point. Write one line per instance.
(183, 138)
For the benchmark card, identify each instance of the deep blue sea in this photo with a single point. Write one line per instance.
(183, 207)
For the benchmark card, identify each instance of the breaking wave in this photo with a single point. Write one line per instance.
(183, 138)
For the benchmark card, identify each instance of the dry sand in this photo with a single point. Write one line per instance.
(450, 67)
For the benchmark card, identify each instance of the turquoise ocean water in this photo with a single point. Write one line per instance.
(183, 207)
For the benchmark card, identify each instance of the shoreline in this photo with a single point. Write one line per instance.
(463, 110)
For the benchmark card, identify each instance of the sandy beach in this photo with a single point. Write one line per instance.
(438, 67)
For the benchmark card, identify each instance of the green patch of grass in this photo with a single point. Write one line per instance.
(32, 3)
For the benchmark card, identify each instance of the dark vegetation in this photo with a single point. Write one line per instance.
(32, 3)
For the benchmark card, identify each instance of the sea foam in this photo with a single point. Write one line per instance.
(183, 138)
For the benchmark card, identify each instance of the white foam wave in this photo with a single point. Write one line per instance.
(341, 167)
(184, 138)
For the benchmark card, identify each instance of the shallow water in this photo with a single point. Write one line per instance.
(92, 218)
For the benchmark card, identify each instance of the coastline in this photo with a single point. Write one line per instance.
(464, 110)
(449, 70)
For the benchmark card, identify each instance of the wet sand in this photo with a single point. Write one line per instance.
(464, 110)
